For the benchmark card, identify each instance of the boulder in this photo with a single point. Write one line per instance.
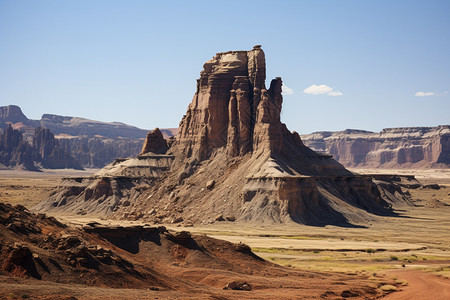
(210, 184)
(238, 285)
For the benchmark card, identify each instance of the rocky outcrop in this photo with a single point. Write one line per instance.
(254, 168)
(12, 114)
(52, 155)
(224, 108)
(154, 143)
(44, 259)
(93, 144)
(411, 147)
(232, 108)
(15, 152)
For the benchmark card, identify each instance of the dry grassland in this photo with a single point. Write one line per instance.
(418, 238)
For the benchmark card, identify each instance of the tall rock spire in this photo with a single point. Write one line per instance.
(229, 104)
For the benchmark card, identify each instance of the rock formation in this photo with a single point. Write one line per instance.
(232, 136)
(93, 144)
(97, 152)
(413, 147)
(44, 259)
(76, 126)
(154, 143)
(53, 156)
(12, 114)
(15, 152)
(225, 107)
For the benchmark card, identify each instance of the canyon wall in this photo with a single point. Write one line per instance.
(409, 147)
(44, 152)
(93, 144)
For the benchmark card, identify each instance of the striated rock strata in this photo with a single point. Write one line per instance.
(410, 147)
(233, 159)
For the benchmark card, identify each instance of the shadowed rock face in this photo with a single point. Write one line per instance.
(411, 147)
(15, 152)
(53, 156)
(12, 114)
(92, 144)
(232, 137)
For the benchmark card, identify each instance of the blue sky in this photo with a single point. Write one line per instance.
(349, 64)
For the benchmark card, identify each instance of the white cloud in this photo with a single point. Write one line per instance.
(321, 90)
(424, 94)
(335, 93)
(286, 91)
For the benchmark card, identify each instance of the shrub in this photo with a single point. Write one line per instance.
(388, 288)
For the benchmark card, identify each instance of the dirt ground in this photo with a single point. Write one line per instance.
(420, 285)
(29, 188)
(412, 248)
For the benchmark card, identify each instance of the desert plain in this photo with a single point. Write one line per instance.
(406, 256)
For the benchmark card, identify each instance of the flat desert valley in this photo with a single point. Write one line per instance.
(406, 256)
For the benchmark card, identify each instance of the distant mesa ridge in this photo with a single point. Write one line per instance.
(232, 160)
(12, 114)
(407, 147)
(92, 144)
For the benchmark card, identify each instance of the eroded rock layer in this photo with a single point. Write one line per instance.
(93, 144)
(410, 147)
(45, 151)
(233, 159)
(38, 254)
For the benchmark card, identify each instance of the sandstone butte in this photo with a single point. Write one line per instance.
(233, 160)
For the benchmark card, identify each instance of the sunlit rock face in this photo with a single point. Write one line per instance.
(408, 147)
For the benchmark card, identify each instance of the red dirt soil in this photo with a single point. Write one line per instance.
(41, 258)
(420, 286)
